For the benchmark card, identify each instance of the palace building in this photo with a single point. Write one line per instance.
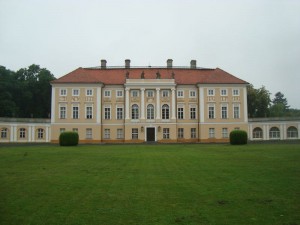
(147, 104)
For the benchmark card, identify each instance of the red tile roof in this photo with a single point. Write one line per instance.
(118, 76)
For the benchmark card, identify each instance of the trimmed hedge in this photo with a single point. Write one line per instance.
(68, 138)
(238, 137)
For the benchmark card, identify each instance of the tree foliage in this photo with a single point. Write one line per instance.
(25, 93)
(259, 102)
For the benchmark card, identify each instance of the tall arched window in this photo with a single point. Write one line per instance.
(274, 133)
(150, 112)
(257, 133)
(165, 112)
(292, 132)
(135, 112)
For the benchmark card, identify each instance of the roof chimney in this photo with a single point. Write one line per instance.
(103, 64)
(127, 63)
(169, 63)
(193, 64)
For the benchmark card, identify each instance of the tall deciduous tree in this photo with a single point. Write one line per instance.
(258, 102)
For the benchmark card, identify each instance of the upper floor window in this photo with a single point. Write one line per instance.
(165, 93)
(150, 112)
(180, 113)
(165, 112)
(150, 94)
(211, 112)
(224, 112)
(119, 93)
(89, 112)
(62, 112)
(135, 112)
(211, 92)
(192, 94)
(75, 92)
(63, 92)
(119, 113)
(180, 93)
(134, 93)
(235, 92)
(236, 112)
(223, 92)
(107, 93)
(89, 92)
(107, 115)
(192, 113)
(75, 112)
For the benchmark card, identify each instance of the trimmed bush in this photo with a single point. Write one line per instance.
(238, 137)
(68, 138)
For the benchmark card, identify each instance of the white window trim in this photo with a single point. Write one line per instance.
(119, 107)
(210, 89)
(134, 90)
(214, 111)
(227, 116)
(224, 89)
(92, 111)
(153, 111)
(148, 91)
(119, 91)
(66, 113)
(106, 106)
(181, 106)
(122, 133)
(238, 90)
(193, 106)
(180, 90)
(191, 92)
(76, 105)
(107, 91)
(74, 89)
(236, 105)
(61, 89)
(165, 91)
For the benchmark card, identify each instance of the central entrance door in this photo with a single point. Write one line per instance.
(150, 134)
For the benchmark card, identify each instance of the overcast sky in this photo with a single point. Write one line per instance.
(257, 41)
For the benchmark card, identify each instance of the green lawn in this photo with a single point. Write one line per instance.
(150, 184)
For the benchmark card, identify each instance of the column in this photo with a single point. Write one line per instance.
(284, 131)
(11, 133)
(281, 132)
(268, 132)
(250, 132)
(15, 134)
(53, 105)
(298, 130)
(245, 106)
(173, 117)
(127, 103)
(99, 107)
(201, 104)
(265, 132)
(47, 134)
(33, 133)
(29, 133)
(142, 103)
(157, 103)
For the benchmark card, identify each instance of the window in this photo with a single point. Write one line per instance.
(89, 133)
(62, 112)
(165, 112)
(193, 133)
(89, 112)
(223, 92)
(166, 133)
(150, 112)
(119, 113)
(165, 93)
(107, 113)
(120, 134)
(192, 113)
(119, 93)
(180, 94)
(211, 92)
(75, 112)
(274, 133)
(192, 94)
(40, 133)
(107, 93)
(180, 133)
(211, 112)
(75, 92)
(135, 133)
(22, 133)
(4, 133)
(211, 132)
(257, 133)
(224, 112)
(180, 113)
(135, 112)
(235, 92)
(292, 132)
(61, 130)
(236, 112)
(134, 93)
(106, 133)
(225, 132)
(89, 92)
(150, 94)
(63, 92)
(75, 130)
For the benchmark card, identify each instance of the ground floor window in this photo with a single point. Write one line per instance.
(40, 133)
(61, 130)
(292, 132)
(211, 133)
(166, 133)
(89, 133)
(193, 133)
(22, 133)
(257, 133)
(106, 133)
(120, 134)
(75, 130)
(4, 133)
(274, 133)
(225, 132)
(135, 133)
(180, 132)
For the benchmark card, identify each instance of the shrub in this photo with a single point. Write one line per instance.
(68, 138)
(238, 137)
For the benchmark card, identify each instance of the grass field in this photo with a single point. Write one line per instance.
(150, 184)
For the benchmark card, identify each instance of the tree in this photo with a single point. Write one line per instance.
(258, 102)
